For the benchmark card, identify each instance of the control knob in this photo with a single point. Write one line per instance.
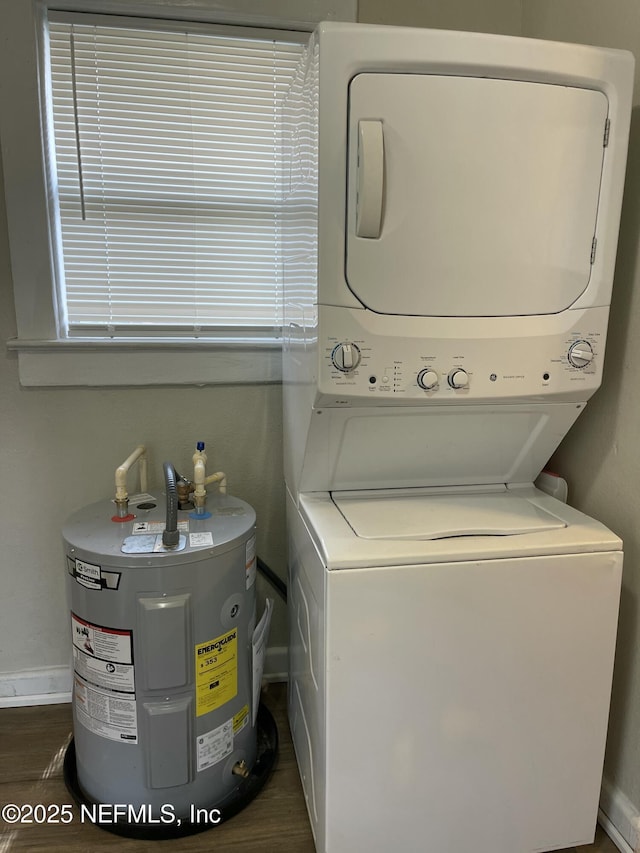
(428, 379)
(458, 378)
(580, 354)
(345, 356)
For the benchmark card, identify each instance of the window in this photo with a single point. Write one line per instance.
(149, 195)
(168, 175)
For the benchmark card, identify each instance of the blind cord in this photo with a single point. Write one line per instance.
(77, 126)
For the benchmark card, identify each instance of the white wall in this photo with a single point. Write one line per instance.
(600, 457)
(488, 16)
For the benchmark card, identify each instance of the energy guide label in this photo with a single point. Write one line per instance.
(216, 663)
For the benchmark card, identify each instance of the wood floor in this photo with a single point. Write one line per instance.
(32, 745)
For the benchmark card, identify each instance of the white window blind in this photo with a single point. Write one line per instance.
(168, 179)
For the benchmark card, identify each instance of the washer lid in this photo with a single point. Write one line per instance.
(441, 514)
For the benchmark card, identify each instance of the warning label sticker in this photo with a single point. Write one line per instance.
(104, 680)
(216, 672)
(108, 644)
(105, 674)
(105, 714)
(142, 528)
(240, 720)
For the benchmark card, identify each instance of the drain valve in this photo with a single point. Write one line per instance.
(240, 769)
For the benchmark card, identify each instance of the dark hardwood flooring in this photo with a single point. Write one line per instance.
(32, 745)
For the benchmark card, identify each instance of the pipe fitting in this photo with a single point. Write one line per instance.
(240, 769)
(201, 480)
(219, 477)
(184, 488)
(199, 463)
(122, 506)
(122, 470)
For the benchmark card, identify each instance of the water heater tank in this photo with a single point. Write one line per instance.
(163, 695)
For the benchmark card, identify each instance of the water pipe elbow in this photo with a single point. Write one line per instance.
(219, 477)
(122, 470)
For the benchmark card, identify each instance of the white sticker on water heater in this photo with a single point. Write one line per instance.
(113, 645)
(109, 715)
(215, 745)
(201, 540)
(142, 528)
(104, 674)
(104, 680)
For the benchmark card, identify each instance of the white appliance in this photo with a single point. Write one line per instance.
(449, 240)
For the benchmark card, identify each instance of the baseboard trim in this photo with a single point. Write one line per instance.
(50, 685)
(619, 818)
(613, 833)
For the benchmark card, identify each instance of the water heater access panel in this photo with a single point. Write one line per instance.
(471, 197)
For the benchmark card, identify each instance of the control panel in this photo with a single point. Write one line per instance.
(391, 369)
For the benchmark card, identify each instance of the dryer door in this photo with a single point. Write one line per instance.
(471, 196)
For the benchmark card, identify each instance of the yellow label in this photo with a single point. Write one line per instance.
(241, 719)
(216, 672)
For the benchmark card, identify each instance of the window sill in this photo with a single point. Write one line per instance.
(82, 363)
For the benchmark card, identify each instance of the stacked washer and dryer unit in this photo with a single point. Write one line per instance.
(452, 213)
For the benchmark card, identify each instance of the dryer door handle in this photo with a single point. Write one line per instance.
(370, 182)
